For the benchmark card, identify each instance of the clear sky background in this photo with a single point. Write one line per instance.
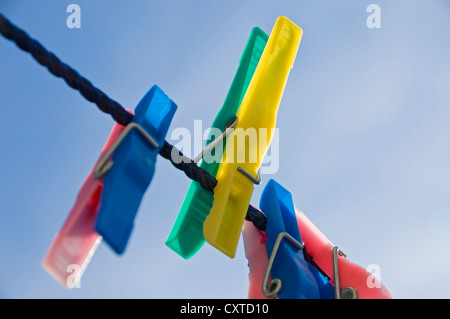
(364, 136)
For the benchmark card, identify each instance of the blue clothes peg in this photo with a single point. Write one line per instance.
(299, 280)
(129, 168)
(326, 289)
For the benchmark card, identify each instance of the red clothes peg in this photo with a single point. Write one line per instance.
(75, 244)
(321, 250)
(256, 254)
(349, 274)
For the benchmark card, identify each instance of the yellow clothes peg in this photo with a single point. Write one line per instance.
(240, 163)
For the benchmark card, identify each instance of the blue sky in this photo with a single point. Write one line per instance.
(363, 123)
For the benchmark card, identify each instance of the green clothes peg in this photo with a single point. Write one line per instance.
(186, 236)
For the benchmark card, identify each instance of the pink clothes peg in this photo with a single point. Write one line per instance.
(75, 244)
(321, 250)
(256, 254)
(349, 274)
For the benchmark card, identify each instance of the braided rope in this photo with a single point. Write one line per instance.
(111, 107)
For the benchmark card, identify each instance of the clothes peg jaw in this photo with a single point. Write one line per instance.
(236, 190)
(258, 111)
(256, 254)
(186, 236)
(133, 166)
(76, 242)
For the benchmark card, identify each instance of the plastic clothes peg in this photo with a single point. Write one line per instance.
(75, 244)
(257, 112)
(130, 170)
(350, 275)
(186, 236)
(284, 246)
(256, 254)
